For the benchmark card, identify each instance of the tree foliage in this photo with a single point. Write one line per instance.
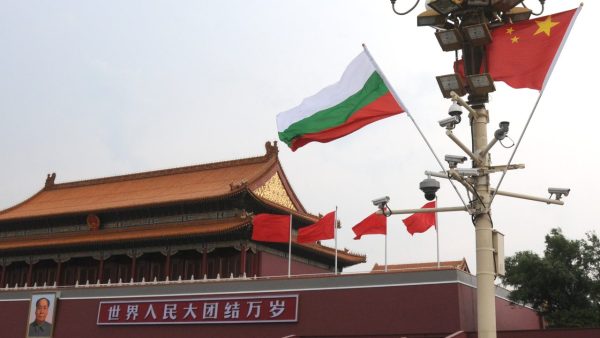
(564, 284)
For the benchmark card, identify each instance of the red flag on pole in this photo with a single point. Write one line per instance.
(323, 229)
(420, 222)
(372, 225)
(271, 228)
(523, 54)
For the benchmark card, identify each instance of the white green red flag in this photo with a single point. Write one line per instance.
(358, 99)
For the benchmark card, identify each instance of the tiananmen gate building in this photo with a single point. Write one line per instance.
(169, 253)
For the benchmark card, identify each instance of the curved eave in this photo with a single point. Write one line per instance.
(148, 232)
(343, 256)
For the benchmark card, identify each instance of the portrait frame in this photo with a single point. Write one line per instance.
(46, 315)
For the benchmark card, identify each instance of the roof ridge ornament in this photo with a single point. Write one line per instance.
(50, 180)
(272, 149)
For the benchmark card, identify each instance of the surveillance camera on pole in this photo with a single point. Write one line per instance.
(454, 160)
(449, 122)
(558, 192)
(429, 187)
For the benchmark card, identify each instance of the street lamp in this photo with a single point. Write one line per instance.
(464, 25)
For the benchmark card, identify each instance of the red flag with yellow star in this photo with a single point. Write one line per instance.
(523, 54)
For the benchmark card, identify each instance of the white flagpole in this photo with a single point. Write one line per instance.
(397, 98)
(335, 236)
(437, 235)
(290, 250)
(385, 259)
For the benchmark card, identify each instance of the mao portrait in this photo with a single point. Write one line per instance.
(41, 315)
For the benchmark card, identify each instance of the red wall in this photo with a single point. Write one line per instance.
(364, 311)
(556, 333)
(271, 265)
(508, 315)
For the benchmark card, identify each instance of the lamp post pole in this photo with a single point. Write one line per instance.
(486, 272)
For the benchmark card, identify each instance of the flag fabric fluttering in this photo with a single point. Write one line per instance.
(375, 224)
(322, 229)
(420, 222)
(271, 228)
(523, 54)
(359, 98)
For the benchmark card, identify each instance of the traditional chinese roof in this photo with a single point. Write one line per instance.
(427, 266)
(262, 176)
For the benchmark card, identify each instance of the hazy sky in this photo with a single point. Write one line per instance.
(100, 88)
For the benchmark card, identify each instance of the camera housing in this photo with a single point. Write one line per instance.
(455, 110)
(559, 192)
(500, 134)
(454, 160)
(381, 202)
(449, 122)
(429, 187)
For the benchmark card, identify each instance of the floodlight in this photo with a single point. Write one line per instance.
(445, 7)
(449, 83)
(478, 34)
(449, 39)
(431, 18)
(480, 84)
(519, 14)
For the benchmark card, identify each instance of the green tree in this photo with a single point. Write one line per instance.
(564, 284)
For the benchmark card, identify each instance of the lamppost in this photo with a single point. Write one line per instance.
(464, 26)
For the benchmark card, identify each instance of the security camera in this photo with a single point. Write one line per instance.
(454, 160)
(455, 110)
(381, 202)
(558, 192)
(500, 134)
(429, 186)
(449, 122)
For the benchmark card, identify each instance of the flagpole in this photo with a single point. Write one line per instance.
(437, 234)
(385, 259)
(290, 250)
(397, 98)
(335, 236)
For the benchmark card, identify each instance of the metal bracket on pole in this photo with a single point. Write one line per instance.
(497, 168)
(425, 210)
(472, 112)
(464, 148)
(527, 197)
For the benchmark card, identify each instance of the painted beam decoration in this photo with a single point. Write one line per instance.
(261, 309)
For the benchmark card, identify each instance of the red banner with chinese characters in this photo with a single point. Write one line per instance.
(261, 309)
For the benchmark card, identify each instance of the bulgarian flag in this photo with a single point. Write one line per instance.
(359, 98)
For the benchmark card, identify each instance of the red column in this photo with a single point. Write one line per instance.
(2, 276)
(101, 270)
(204, 262)
(58, 272)
(243, 260)
(29, 273)
(133, 272)
(168, 265)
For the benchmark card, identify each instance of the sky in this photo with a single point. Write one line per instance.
(102, 88)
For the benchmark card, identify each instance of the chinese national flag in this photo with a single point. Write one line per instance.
(372, 225)
(271, 228)
(523, 54)
(420, 222)
(323, 229)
